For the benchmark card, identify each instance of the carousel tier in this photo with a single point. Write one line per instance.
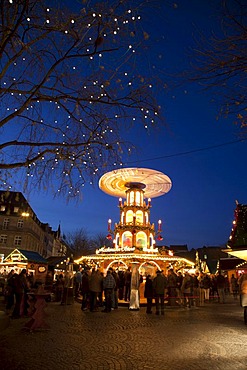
(152, 182)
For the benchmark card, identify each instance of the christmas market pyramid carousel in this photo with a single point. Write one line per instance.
(134, 237)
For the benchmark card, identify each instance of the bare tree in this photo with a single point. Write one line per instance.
(220, 61)
(79, 242)
(70, 83)
(101, 240)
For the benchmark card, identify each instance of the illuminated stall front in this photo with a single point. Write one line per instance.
(134, 236)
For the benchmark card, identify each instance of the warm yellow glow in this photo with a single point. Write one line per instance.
(138, 256)
(112, 250)
(25, 214)
(129, 216)
(139, 217)
(242, 253)
(150, 250)
(114, 182)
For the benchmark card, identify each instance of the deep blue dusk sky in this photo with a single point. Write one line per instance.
(199, 208)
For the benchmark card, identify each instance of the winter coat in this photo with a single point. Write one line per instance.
(95, 282)
(187, 284)
(159, 284)
(206, 282)
(85, 283)
(172, 280)
(220, 281)
(20, 284)
(148, 290)
(109, 282)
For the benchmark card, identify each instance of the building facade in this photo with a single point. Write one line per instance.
(21, 228)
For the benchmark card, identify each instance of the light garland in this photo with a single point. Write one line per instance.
(134, 256)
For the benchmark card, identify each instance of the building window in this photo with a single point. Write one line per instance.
(3, 239)
(17, 240)
(2, 209)
(20, 224)
(16, 209)
(6, 223)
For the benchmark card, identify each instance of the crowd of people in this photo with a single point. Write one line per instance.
(188, 290)
(175, 288)
(99, 292)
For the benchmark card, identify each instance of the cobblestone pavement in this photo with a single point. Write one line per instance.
(212, 337)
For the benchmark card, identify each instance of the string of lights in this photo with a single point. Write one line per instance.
(187, 152)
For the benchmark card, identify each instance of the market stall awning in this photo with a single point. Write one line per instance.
(239, 253)
(21, 255)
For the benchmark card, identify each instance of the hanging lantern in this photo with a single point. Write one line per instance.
(109, 237)
(160, 237)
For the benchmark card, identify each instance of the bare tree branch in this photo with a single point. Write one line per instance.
(220, 62)
(70, 85)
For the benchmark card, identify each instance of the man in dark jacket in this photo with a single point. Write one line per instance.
(221, 284)
(159, 286)
(148, 293)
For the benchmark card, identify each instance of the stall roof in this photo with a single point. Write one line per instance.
(229, 263)
(30, 256)
(54, 260)
(33, 256)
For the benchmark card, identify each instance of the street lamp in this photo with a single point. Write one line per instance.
(25, 214)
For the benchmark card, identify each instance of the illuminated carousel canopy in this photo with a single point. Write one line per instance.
(117, 182)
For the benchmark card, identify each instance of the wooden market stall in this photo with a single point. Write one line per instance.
(33, 262)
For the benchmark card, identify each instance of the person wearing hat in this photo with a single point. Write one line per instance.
(159, 286)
